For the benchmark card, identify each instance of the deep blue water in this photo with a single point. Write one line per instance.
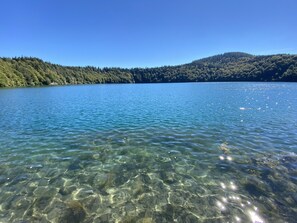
(193, 152)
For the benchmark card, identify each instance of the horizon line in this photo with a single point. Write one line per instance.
(145, 67)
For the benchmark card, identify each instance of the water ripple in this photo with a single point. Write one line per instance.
(166, 153)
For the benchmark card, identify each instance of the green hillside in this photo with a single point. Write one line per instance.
(27, 71)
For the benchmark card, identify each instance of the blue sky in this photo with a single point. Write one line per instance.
(144, 33)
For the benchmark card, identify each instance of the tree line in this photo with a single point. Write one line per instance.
(30, 71)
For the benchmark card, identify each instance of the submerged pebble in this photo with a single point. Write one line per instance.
(74, 212)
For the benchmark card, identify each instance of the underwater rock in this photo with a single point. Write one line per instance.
(83, 177)
(105, 218)
(34, 167)
(103, 181)
(142, 217)
(74, 213)
(52, 173)
(147, 201)
(281, 170)
(3, 180)
(128, 167)
(119, 197)
(62, 191)
(111, 179)
(290, 162)
(70, 189)
(140, 189)
(92, 203)
(43, 182)
(123, 152)
(55, 209)
(146, 220)
(21, 221)
(20, 178)
(162, 217)
(269, 203)
(179, 197)
(145, 178)
(96, 156)
(168, 177)
(224, 167)
(100, 180)
(294, 196)
(129, 207)
(74, 166)
(129, 219)
(82, 193)
(11, 202)
(279, 186)
(67, 190)
(140, 184)
(289, 200)
(120, 179)
(224, 147)
(255, 187)
(22, 204)
(187, 218)
(267, 161)
(171, 211)
(292, 158)
(45, 191)
(42, 202)
(86, 156)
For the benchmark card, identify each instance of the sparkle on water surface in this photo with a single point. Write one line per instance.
(197, 152)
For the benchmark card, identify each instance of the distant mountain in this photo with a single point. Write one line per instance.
(224, 58)
(235, 66)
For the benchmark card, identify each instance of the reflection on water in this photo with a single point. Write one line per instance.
(192, 164)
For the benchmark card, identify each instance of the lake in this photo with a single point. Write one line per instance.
(187, 152)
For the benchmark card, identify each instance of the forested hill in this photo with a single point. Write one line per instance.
(27, 71)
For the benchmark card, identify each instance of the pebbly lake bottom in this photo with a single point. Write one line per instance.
(116, 177)
(213, 152)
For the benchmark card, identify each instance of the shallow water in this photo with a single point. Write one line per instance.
(195, 152)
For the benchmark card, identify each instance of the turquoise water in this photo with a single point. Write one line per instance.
(195, 152)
